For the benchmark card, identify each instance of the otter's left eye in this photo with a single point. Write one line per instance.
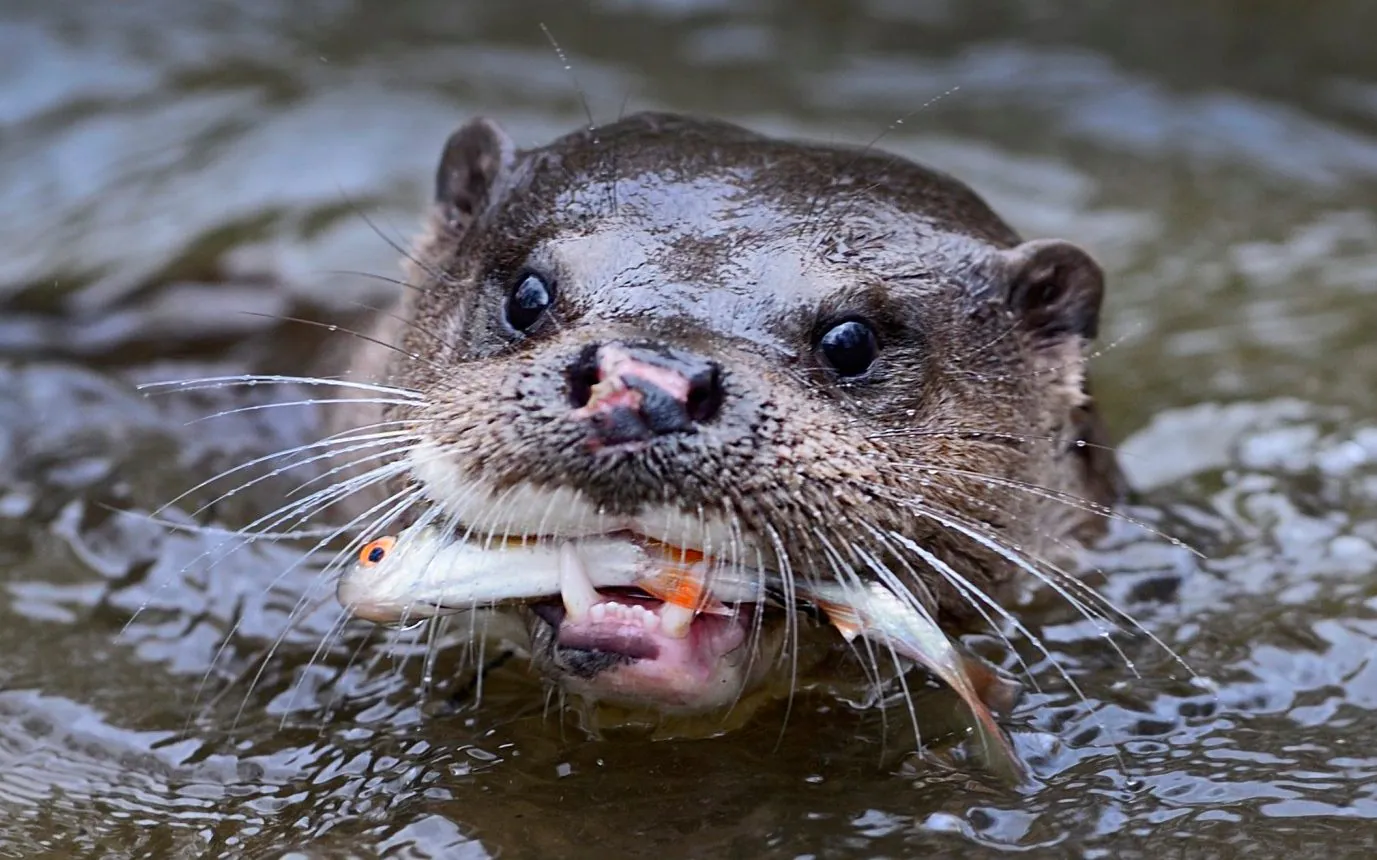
(850, 347)
(531, 297)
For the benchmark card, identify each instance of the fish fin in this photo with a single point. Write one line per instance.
(995, 689)
(682, 586)
(844, 618)
(916, 635)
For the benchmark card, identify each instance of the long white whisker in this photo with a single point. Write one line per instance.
(389, 439)
(324, 401)
(1057, 496)
(1024, 564)
(791, 628)
(990, 622)
(273, 519)
(288, 452)
(271, 379)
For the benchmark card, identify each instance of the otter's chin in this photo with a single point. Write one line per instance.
(633, 650)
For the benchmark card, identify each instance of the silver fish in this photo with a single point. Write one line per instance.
(423, 573)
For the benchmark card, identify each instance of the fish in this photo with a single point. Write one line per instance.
(423, 573)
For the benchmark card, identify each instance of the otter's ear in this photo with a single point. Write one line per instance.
(476, 156)
(1055, 288)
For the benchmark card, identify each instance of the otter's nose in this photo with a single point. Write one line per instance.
(631, 392)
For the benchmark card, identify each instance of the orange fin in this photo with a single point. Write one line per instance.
(682, 586)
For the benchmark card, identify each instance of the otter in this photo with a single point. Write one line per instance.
(829, 361)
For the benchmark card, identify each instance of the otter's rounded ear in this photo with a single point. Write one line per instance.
(1055, 288)
(476, 156)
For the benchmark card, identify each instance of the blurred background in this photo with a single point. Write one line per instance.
(177, 176)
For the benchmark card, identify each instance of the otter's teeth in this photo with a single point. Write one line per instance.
(675, 620)
(575, 588)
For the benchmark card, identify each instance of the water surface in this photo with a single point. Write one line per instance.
(166, 167)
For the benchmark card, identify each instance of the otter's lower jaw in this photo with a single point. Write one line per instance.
(617, 652)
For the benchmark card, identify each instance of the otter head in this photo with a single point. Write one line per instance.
(826, 362)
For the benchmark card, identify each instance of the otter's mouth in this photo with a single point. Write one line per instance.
(630, 625)
(621, 647)
(627, 644)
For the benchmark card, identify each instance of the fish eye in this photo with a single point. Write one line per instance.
(376, 551)
(531, 296)
(850, 347)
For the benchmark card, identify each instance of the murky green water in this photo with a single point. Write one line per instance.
(165, 165)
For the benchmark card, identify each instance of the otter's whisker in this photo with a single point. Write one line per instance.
(251, 380)
(374, 276)
(1061, 497)
(411, 356)
(1074, 364)
(397, 452)
(272, 519)
(259, 407)
(978, 435)
(977, 605)
(211, 531)
(438, 274)
(735, 565)
(294, 615)
(302, 509)
(435, 337)
(351, 446)
(337, 697)
(261, 660)
(847, 575)
(1062, 582)
(813, 214)
(791, 629)
(970, 590)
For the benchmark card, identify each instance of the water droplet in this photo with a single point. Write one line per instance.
(332, 328)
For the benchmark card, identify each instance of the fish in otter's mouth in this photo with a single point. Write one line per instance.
(602, 602)
(637, 619)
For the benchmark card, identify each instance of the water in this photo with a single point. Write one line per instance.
(165, 165)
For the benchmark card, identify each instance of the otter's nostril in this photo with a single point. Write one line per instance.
(704, 394)
(583, 374)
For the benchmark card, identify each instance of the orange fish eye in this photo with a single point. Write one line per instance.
(375, 551)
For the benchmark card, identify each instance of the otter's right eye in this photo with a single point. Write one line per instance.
(850, 347)
(530, 298)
